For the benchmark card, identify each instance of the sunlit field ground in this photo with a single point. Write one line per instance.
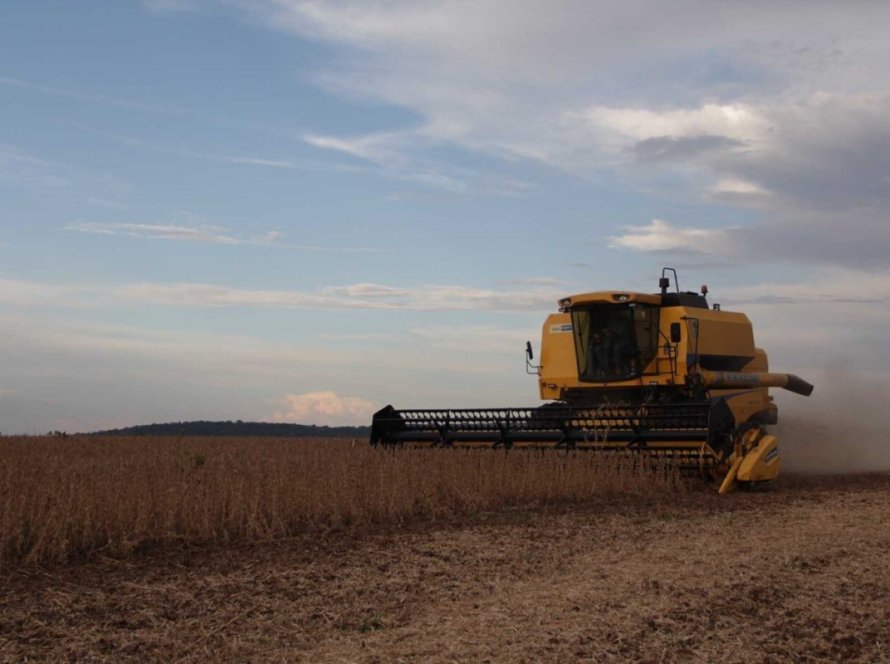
(318, 551)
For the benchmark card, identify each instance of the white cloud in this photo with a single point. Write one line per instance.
(178, 150)
(802, 238)
(373, 147)
(202, 233)
(252, 161)
(355, 296)
(659, 235)
(367, 296)
(209, 295)
(521, 85)
(774, 109)
(373, 291)
(269, 237)
(326, 407)
(738, 122)
(395, 155)
(733, 186)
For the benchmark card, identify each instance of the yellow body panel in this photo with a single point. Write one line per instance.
(722, 333)
(558, 356)
(748, 403)
(762, 463)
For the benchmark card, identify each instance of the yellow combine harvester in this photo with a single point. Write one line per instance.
(661, 374)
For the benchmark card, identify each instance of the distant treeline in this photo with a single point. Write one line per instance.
(238, 428)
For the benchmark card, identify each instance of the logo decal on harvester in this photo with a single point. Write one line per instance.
(565, 327)
(772, 454)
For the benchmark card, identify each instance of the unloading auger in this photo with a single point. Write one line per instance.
(664, 375)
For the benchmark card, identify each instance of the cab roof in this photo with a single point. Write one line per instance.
(688, 299)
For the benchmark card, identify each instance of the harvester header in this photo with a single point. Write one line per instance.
(662, 374)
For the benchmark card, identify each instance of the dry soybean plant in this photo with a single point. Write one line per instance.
(71, 498)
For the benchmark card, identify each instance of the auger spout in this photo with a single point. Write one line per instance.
(738, 379)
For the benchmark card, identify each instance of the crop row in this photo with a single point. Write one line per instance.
(64, 499)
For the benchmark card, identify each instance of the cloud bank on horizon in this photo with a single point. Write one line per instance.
(300, 209)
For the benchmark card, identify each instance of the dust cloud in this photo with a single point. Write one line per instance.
(843, 427)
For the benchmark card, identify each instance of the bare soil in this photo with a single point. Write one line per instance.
(800, 573)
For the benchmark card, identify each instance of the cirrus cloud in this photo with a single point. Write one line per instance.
(199, 233)
(191, 230)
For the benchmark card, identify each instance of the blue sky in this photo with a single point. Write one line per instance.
(303, 211)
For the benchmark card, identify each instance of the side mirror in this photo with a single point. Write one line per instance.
(675, 333)
(529, 356)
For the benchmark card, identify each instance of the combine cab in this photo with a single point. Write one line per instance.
(663, 375)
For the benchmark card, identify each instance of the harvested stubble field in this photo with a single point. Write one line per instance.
(203, 550)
